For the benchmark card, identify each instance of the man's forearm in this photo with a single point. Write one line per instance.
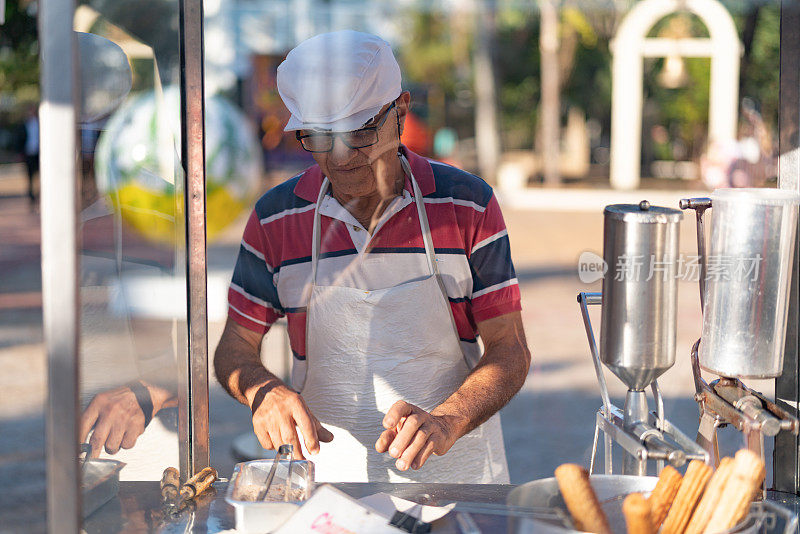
(239, 369)
(499, 375)
(488, 388)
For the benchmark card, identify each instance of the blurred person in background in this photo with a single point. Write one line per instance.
(749, 161)
(30, 149)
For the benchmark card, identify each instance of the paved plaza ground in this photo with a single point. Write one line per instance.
(549, 422)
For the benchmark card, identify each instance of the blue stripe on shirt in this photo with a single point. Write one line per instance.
(453, 182)
(251, 274)
(414, 250)
(491, 264)
(280, 198)
(307, 259)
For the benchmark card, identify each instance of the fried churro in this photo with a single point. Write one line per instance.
(637, 514)
(664, 493)
(689, 493)
(711, 497)
(581, 501)
(747, 474)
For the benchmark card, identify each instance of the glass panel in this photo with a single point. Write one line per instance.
(133, 280)
(520, 93)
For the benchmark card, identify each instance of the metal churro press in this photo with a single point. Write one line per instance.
(744, 295)
(637, 336)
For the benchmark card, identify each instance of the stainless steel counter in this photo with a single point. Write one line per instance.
(137, 507)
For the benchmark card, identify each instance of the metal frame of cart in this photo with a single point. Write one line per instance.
(60, 263)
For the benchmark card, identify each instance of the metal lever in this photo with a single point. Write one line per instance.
(699, 205)
(584, 300)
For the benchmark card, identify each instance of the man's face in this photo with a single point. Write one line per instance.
(364, 172)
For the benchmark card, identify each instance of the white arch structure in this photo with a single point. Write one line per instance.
(631, 46)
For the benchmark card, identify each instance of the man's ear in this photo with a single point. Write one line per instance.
(403, 106)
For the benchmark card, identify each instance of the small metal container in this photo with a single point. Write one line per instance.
(248, 480)
(749, 264)
(639, 309)
(99, 483)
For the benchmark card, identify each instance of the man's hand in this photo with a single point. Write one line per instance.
(116, 418)
(278, 412)
(412, 435)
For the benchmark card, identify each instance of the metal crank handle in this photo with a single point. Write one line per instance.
(675, 457)
(751, 407)
(593, 299)
(701, 203)
(657, 449)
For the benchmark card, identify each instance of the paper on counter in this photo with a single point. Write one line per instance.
(332, 510)
(387, 505)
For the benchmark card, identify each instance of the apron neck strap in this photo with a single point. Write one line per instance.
(315, 237)
(430, 253)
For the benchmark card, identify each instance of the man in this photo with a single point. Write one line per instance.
(387, 267)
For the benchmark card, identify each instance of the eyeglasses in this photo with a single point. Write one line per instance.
(363, 137)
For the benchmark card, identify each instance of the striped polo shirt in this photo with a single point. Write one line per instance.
(273, 270)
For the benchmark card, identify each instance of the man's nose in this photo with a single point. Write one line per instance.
(340, 152)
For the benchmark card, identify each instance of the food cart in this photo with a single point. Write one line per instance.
(72, 257)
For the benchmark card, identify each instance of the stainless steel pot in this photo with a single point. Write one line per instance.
(637, 333)
(748, 269)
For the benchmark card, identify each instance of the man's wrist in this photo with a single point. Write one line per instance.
(144, 399)
(456, 424)
(162, 397)
(256, 393)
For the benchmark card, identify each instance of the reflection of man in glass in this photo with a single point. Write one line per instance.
(387, 267)
(128, 351)
(119, 416)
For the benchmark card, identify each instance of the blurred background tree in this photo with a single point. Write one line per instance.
(19, 54)
(760, 31)
(432, 57)
(19, 73)
(436, 50)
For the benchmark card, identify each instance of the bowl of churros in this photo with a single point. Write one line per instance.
(701, 501)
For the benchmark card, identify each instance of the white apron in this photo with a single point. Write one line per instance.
(368, 349)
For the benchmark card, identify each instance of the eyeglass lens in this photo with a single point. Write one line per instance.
(354, 139)
(323, 142)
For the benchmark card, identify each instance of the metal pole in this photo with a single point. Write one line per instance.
(193, 391)
(60, 271)
(549, 132)
(786, 457)
(487, 138)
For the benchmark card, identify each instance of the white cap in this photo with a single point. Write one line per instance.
(338, 81)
